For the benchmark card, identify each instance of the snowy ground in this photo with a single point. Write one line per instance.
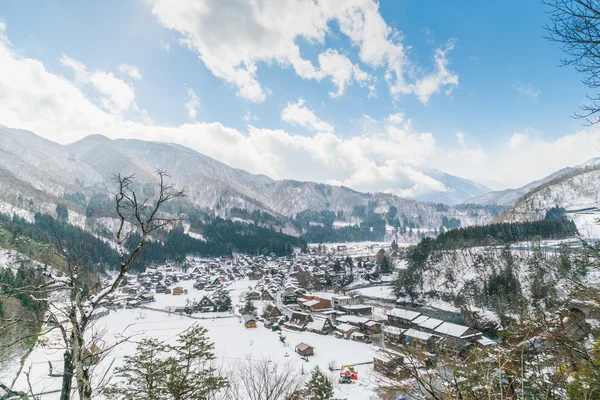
(233, 344)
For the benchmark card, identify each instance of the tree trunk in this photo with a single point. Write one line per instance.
(67, 376)
(79, 359)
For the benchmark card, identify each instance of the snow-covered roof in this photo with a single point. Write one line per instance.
(345, 327)
(352, 319)
(318, 324)
(392, 330)
(404, 314)
(342, 298)
(310, 303)
(322, 295)
(450, 329)
(486, 342)
(413, 333)
(431, 323)
(356, 307)
(420, 319)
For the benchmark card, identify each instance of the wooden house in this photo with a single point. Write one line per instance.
(390, 364)
(304, 349)
(420, 340)
(253, 295)
(320, 325)
(249, 321)
(206, 304)
(177, 291)
(271, 312)
(298, 321)
(345, 330)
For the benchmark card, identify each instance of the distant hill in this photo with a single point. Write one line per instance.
(36, 173)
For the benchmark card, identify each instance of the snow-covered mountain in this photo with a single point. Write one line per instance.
(509, 197)
(36, 168)
(458, 189)
(577, 191)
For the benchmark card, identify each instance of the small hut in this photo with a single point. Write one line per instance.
(305, 349)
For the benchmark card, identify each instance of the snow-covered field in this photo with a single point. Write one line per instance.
(233, 344)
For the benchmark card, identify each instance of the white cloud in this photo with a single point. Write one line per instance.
(299, 114)
(386, 157)
(130, 70)
(233, 37)
(192, 104)
(396, 118)
(527, 90)
(117, 96)
(517, 140)
(250, 117)
(166, 46)
(432, 83)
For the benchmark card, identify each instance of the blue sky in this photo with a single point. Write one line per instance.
(501, 98)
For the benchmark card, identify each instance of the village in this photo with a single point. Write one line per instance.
(286, 308)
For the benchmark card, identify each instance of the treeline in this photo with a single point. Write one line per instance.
(20, 314)
(554, 226)
(250, 238)
(37, 240)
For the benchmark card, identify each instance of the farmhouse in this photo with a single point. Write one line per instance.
(298, 321)
(320, 325)
(305, 349)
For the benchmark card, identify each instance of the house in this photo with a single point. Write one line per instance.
(271, 312)
(249, 321)
(146, 298)
(359, 322)
(455, 337)
(420, 340)
(390, 363)
(298, 321)
(206, 304)
(345, 330)
(289, 297)
(305, 349)
(177, 291)
(392, 333)
(428, 324)
(253, 295)
(373, 327)
(358, 337)
(338, 301)
(316, 301)
(320, 325)
(266, 295)
(401, 318)
(357, 309)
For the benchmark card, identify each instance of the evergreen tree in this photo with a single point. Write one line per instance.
(142, 373)
(181, 371)
(62, 213)
(319, 387)
(222, 300)
(248, 308)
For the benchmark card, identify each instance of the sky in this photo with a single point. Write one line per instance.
(361, 93)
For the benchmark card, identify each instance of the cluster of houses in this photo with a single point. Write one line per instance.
(429, 334)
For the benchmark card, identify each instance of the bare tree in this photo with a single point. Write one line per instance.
(575, 24)
(262, 380)
(75, 316)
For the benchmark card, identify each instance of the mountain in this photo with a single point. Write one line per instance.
(509, 197)
(577, 191)
(46, 173)
(458, 189)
